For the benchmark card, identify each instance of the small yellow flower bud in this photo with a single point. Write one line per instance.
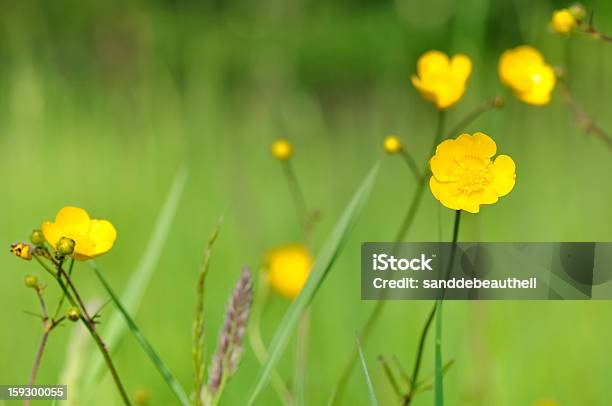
(65, 246)
(22, 250)
(37, 238)
(282, 149)
(73, 314)
(563, 22)
(142, 397)
(31, 281)
(578, 11)
(392, 144)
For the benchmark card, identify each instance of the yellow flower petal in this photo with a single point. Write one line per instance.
(51, 233)
(504, 174)
(72, 220)
(461, 67)
(103, 235)
(432, 65)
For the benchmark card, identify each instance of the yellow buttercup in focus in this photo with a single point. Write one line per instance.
(464, 176)
(441, 79)
(91, 237)
(524, 70)
(288, 269)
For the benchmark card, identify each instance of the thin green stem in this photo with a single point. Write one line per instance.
(439, 389)
(63, 297)
(297, 195)
(419, 356)
(411, 164)
(89, 324)
(582, 118)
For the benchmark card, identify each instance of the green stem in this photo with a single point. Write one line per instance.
(432, 313)
(297, 195)
(89, 325)
(63, 297)
(439, 390)
(411, 164)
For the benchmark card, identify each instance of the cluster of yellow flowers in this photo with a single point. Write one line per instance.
(442, 80)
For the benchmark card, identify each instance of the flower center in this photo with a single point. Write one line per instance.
(474, 175)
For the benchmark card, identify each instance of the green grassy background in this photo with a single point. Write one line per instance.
(102, 102)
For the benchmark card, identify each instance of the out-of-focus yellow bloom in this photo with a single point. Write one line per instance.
(546, 402)
(464, 176)
(392, 144)
(524, 70)
(288, 269)
(22, 250)
(563, 22)
(442, 80)
(281, 149)
(91, 237)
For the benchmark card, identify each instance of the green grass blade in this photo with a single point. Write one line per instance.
(140, 278)
(323, 264)
(371, 393)
(439, 371)
(144, 343)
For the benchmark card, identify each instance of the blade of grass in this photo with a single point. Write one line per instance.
(439, 374)
(140, 278)
(323, 264)
(144, 343)
(371, 393)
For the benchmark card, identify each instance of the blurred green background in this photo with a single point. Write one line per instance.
(102, 102)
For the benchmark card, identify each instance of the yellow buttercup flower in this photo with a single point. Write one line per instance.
(442, 80)
(392, 144)
(91, 237)
(288, 269)
(281, 149)
(563, 22)
(524, 70)
(464, 176)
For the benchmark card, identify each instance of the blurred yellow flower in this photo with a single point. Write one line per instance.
(281, 149)
(91, 237)
(464, 176)
(288, 269)
(563, 22)
(546, 402)
(442, 80)
(523, 70)
(392, 144)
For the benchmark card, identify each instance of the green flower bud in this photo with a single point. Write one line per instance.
(578, 11)
(73, 314)
(65, 246)
(31, 281)
(37, 238)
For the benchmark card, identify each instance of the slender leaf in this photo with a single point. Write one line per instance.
(439, 371)
(144, 343)
(323, 264)
(140, 279)
(371, 393)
